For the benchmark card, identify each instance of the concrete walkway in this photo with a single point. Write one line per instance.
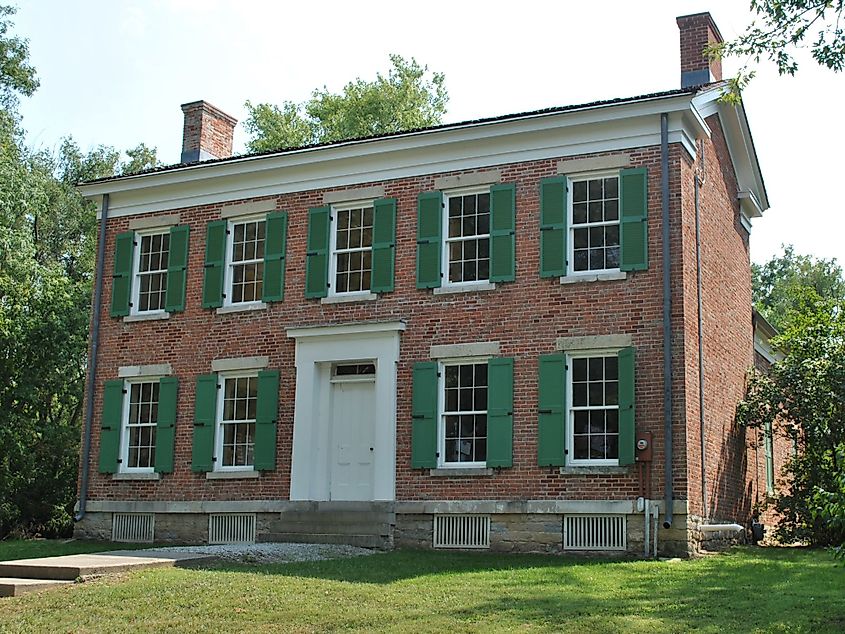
(28, 575)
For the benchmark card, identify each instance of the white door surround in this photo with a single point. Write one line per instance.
(314, 455)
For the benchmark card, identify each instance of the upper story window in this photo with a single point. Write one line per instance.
(236, 422)
(245, 271)
(352, 248)
(467, 236)
(138, 442)
(594, 411)
(150, 266)
(464, 414)
(594, 223)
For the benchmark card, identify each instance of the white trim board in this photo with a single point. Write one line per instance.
(606, 128)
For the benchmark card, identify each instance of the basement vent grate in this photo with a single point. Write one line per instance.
(594, 532)
(229, 528)
(462, 531)
(133, 527)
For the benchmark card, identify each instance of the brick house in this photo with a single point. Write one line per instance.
(524, 333)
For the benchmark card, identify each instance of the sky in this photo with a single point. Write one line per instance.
(115, 72)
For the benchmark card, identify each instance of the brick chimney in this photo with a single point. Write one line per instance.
(207, 134)
(697, 31)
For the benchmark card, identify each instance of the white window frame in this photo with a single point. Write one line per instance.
(358, 204)
(571, 179)
(441, 408)
(124, 425)
(444, 256)
(571, 461)
(229, 265)
(136, 270)
(218, 421)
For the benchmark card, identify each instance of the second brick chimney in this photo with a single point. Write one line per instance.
(697, 31)
(207, 134)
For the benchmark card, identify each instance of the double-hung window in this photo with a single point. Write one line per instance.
(594, 409)
(594, 223)
(140, 417)
(352, 248)
(463, 418)
(150, 266)
(245, 266)
(466, 231)
(466, 238)
(236, 421)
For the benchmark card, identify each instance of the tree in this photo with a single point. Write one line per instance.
(786, 25)
(803, 398)
(47, 238)
(406, 99)
(776, 285)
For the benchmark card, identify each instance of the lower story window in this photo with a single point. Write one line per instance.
(594, 410)
(237, 421)
(464, 413)
(139, 439)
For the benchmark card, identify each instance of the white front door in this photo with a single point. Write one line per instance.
(353, 413)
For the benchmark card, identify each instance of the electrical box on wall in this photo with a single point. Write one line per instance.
(643, 446)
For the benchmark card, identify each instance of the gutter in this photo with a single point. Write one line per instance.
(92, 363)
(667, 321)
(698, 182)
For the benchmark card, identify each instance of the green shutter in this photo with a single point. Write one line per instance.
(177, 269)
(384, 245)
(215, 264)
(553, 226)
(633, 219)
(267, 413)
(551, 431)
(503, 233)
(168, 388)
(424, 415)
(769, 452)
(110, 424)
(429, 228)
(317, 253)
(205, 419)
(275, 247)
(121, 290)
(627, 432)
(500, 412)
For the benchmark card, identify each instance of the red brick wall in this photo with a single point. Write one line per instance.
(525, 317)
(727, 330)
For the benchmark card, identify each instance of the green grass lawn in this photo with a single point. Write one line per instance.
(28, 548)
(746, 590)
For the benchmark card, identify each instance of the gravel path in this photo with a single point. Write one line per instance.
(270, 552)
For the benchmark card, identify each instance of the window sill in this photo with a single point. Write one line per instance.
(241, 308)
(465, 288)
(348, 299)
(595, 470)
(146, 317)
(593, 277)
(141, 475)
(460, 473)
(232, 475)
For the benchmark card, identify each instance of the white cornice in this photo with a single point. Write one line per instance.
(605, 128)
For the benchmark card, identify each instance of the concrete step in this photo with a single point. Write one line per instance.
(364, 541)
(11, 587)
(338, 517)
(70, 567)
(285, 526)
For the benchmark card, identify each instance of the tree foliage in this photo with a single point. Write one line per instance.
(47, 239)
(777, 285)
(408, 98)
(803, 398)
(785, 26)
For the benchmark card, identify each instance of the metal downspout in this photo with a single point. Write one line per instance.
(698, 183)
(92, 362)
(667, 321)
